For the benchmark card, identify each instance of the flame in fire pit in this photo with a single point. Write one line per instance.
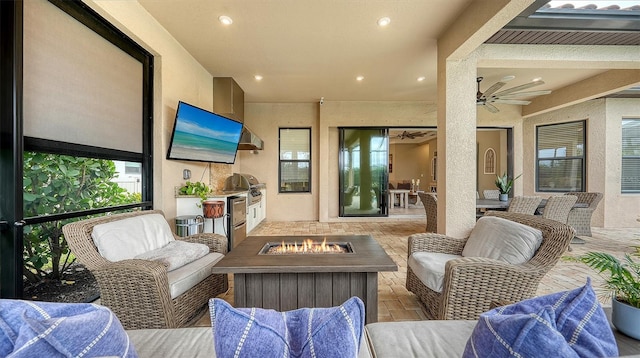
(307, 246)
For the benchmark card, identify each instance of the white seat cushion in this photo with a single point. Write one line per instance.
(127, 238)
(502, 239)
(176, 254)
(429, 267)
(189, 275)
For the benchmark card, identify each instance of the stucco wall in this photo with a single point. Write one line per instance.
(620, 210)
(603, 156)
(265, 119)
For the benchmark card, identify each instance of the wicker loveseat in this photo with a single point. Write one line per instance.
(138, 291)
(472, 284)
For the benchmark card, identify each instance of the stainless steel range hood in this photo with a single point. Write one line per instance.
(228, 100)
(249, 141)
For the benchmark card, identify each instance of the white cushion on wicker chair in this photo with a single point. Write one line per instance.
(429, 267)
(176, 254)
(502, 239)
(189, 275)
(127, 238)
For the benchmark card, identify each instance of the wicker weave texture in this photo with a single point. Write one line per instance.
(491, 194)
(430, 203)
(472, 284)
(558, 207)
(524, 204)
(580, 218)
(137, 291)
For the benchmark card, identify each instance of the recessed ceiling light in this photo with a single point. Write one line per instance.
(225, 20)
(258, 77)
(421, 78)
(507, 78)
(384, 21)
(536, 79)
(359, 78)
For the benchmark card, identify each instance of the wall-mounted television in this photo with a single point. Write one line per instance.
(203, 136)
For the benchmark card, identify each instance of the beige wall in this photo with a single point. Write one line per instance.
(603, 156)
(409, 162)
(489, 139)
(265, 119)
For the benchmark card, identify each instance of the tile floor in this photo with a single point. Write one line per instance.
(397, 304)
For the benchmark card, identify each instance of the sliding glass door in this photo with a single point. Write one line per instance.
(364, 172)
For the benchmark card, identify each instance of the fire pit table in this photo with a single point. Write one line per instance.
(266, 276)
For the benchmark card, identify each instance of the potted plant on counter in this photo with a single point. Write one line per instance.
(197, 188)
(504, 185)
(210, 208)
(622, 281)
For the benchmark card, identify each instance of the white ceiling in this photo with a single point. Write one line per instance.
(308, 49)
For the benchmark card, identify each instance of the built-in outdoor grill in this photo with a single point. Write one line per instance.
(245, 182)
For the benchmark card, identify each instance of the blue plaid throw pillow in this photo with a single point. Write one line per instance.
(48, 329)
(306, 332)
(564, 324)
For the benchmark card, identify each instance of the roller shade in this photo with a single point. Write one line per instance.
(630, 156)
(78, 87)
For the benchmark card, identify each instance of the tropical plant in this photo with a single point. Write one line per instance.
(54, 184)
(504, 184)
(622, 277)
(198, 189)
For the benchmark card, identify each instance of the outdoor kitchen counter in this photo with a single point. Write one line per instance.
(289, 281)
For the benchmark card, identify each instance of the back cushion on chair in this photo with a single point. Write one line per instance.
(502, 239)
(127, 238)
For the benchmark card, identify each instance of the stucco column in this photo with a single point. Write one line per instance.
(457, 147)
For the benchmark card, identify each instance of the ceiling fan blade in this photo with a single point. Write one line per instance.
(511, 101)
(492, 108)
(526, 94)
(519, 88)
(491, 90)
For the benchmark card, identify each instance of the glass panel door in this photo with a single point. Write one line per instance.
(364, 171)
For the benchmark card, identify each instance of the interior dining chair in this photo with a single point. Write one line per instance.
(491, 194)
(524, 204)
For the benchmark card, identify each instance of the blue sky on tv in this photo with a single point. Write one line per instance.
(200, 122)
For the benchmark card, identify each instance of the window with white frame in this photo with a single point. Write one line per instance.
(295, 160)
(560, 157)
(630, 178)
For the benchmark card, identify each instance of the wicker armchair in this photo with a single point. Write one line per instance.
(524, 204)
(430, 203)
(137, 291)
(471, 284)
(580, 218)
(558, 207)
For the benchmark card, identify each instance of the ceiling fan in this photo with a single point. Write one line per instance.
(508, 96)
(411, 135)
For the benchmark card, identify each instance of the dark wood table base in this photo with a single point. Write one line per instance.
(287, 282)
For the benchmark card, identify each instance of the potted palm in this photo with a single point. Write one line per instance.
(504, 184)
(622, 281)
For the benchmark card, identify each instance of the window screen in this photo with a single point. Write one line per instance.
(630, 182)
(561, 157)
(78, 87)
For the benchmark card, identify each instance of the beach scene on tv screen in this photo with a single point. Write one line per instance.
(200, 135)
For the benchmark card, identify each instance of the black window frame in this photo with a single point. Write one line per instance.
(582, 159)
(14, 143)
(281, 161)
